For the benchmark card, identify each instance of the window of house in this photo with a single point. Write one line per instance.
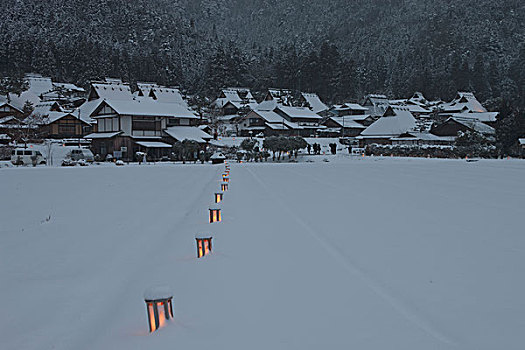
(66, 129)
(184, 121)
(151, 124)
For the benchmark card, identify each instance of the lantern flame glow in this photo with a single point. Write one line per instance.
(203, 246)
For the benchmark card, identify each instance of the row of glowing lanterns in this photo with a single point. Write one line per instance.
(159, 303)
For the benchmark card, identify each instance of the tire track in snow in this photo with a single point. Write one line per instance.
(404, 310)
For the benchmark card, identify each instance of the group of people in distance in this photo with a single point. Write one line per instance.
(317, 148)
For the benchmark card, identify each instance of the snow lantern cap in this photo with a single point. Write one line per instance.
(205, 235)
(158, 293)
(215, 206)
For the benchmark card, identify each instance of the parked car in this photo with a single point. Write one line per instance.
(82, 153)
(27, 156)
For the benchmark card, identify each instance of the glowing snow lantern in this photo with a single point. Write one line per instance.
(226, 179)
(218, 197)
(159, 306)
(215, 215)
(224, 186)
(224, 175)
(203, 245)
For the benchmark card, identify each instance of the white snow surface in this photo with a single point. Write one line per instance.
(358, 253)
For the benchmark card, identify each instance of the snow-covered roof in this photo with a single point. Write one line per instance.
(102, 135)
(147, 107)
(43, 108)
(299, 112)
(39, 84)
(464, 101)
(88, 108)
(112, 91)
(314, 102)
(68, 87)
(110, 80)
(181, 133)
(415, 108)
(425, 136)
(145, 88)
(9, 118)
(153, 144)
(521, 141)
(52, 117)
(347, 122)
(396, 124)
(239, 97)
(19, 101)
(276, 126)
(168, 95)
(474, 124)
(375, 99)
(268, 105)
(418, 98)
(350, 107)
(486, 117)
(4, 137)
(4, 103)
(270, 116)
(218, 155)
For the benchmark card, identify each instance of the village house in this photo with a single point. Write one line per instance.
(265, 122)
(464, 102)
(280, 96)
(232, 101)
(175, 134)
(415, 138)
(376, 104)
(453, 125)
(14, 129)
(395, 121)
(7, 109)
(55, 122)
(489, 118)
(345, 126)
(348, 109)
(60, 125)
(271, 118)
(129, 126)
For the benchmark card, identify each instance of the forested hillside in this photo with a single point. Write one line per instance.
(339, 48)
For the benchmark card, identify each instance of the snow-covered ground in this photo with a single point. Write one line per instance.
(358, 253)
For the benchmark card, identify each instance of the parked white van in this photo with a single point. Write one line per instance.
(81, 153)
(26, 156)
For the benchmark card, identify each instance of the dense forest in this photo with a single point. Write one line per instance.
(341, 49)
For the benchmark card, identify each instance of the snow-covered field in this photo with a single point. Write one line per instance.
(362, 253)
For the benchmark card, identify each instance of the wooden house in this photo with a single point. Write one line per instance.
(7, 109)
(128, 126)
(453, 125)
(345, 126)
